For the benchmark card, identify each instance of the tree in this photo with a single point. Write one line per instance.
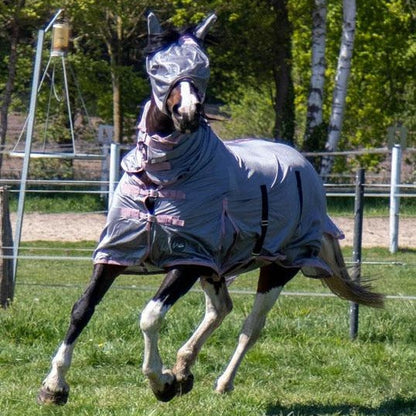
(10, 20)
(382, 74)
(282, 72)
(244, 63)
(17, 18)
(259, 56)
(381, 83)
(119, 25)
(341, 83)
(315, 127)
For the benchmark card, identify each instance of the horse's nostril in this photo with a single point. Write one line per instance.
(175, 109)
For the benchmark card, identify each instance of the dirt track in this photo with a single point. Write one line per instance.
(80, 227)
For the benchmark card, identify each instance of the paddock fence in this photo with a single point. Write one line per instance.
(340, 186)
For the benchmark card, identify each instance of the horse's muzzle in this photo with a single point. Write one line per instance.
(187, 120)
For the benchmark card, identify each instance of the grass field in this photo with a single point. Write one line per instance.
(304, 364)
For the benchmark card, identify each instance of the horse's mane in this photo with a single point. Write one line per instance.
(159, 41)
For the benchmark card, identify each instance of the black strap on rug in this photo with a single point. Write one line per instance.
(264, 221)
(300, 192)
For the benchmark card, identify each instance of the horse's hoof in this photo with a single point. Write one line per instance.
(46, 396)
(222, 387)
(168, 393)
(186, 385)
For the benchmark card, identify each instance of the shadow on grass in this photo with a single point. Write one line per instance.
(408, 250)
(397, 407)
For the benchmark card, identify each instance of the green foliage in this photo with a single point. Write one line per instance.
(304, 363)
(382, 84)
(94, 79)
(372, 206)
(382, 88)
(381, 71)
(251, 116)
(60, 202)
(51, 169)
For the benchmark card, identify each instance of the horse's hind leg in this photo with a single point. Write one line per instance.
(54, 387)
(177, 283)
(217, 305)
(271, 281)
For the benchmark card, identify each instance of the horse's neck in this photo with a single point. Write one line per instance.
(158, 122)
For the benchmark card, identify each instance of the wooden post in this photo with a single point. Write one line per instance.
(6, 251)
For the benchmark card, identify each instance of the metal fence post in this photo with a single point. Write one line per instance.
(28, 145)
(357, 243)
(396, 159)
(28, 148)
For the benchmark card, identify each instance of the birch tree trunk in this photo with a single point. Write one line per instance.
(341, 83)
(314, 129)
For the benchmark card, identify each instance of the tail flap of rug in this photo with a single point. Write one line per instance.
(332, 229)
(316, 267)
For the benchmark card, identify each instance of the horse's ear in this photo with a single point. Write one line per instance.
(203, 28)
(153, 25)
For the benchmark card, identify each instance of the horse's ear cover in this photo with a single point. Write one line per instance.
(203, 28)
(153, 25)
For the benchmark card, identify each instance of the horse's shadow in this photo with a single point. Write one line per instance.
(396, 407)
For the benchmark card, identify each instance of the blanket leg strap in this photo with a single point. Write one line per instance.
(264, 221)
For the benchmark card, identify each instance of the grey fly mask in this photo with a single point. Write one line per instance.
(184, 59)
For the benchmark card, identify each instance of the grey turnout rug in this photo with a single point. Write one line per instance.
(230, 206)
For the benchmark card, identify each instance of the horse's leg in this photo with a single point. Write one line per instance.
(177, 283)
(54, 387)
(218, 304)
(271, 281)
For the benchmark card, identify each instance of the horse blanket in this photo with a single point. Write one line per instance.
(231, 206)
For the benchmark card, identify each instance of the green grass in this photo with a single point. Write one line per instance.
(303, 365)
(373, 206)
(59, 202)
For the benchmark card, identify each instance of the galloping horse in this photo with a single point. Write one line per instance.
(197, 208)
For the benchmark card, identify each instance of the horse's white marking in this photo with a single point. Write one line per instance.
(217, 305)
(150, 322)
(55, 380)
(189, 100)
(248, 336)
(152, 315)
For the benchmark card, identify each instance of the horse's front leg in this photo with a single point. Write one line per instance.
(177, 283)
(54, 388)
(218, 305)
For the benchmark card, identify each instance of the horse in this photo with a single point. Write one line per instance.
(197, 208)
